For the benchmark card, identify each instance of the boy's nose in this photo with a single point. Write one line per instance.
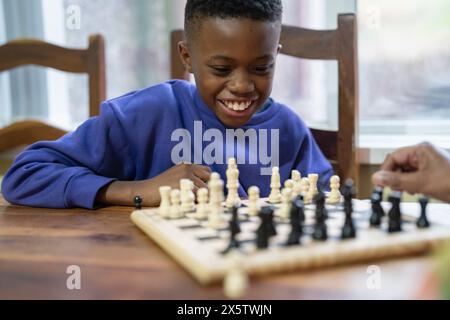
(241, 84)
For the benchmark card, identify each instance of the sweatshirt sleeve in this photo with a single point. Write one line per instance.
(69, 172)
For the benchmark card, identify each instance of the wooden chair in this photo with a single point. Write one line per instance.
(28, 51)
(340, 44)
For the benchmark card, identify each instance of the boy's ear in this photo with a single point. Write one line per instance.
(185, 55)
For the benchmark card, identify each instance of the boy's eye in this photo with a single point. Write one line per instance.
(221, 70)
(263, 68)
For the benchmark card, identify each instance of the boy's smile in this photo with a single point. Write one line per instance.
(233, 62)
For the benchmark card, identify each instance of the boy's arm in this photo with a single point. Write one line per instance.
(66, 173)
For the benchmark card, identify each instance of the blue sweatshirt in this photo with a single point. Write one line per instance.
(144, 133)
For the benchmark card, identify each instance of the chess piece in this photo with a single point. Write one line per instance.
(253, 201)
(335, 195)
(266, 229)
(296, 176)
(289, 184)
(304, 187)
(312, 191)
(395, 215)
(202, 206)
(175, 209)
(236, 280)
(423, 222)
(348, 191)
(137, 203)
(215, 219)
(164, 206)
(377, 210)
(379, 190)
(187, 195)
(297, 216)
(235, 229)
(275, 185)
(320, 227)
(232, 184)
(285, 208)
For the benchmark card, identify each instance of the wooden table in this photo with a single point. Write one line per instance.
(117, 261)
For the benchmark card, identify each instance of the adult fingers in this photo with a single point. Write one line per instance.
(409, 182)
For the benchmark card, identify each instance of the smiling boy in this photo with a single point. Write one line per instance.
(145, 139)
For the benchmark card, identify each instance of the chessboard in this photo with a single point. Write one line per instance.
(203, 250)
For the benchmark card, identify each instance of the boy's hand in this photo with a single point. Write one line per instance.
(123, 192)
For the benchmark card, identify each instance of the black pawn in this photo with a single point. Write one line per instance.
(262, 233)
(348, 192)
(423, 222)
(235, 229)
(395, 215)
(137, 203)
(377, 210)
(297, 217)
(320, 227)
(272, 230)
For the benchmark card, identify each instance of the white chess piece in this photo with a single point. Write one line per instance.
(175, 209)
(236, 280)
(275, 185)
(187, 195)
(232, 184)
(304, 187)
(286, 197)
(289, 183)
(164, 207)
(312, 191)
(296, 176)
(335, 194)
(215, 218)
(203, 206)
(253, 201)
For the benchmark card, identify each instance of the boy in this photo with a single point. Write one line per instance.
(146, 139)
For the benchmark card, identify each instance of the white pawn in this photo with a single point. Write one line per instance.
(275, 185)
(335, 194)
(187, 195)
(214, 177)
(253, 201)
(304, 187)
(164, 207)
(203, 206)
(236, 280)
(312, 191)
(232, 184)
(297, 189)
(215, 219)
(289, 183)
(175, 209)
(296, 176)
(284, 211)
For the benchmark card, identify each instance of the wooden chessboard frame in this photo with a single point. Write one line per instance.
(208, 266)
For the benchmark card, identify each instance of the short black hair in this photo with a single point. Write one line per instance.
(259, 10)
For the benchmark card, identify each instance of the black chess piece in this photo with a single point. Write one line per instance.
(262, 233)
(423, 222)
(348, 192)
(395, 215)
(235, 229)
(297, 217)
(379, 191)
(320, 227)
(377, 210)
(272, 230)
(137, 202)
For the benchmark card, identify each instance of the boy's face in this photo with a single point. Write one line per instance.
(233, 61)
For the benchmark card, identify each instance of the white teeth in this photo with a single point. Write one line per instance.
(237, 106)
